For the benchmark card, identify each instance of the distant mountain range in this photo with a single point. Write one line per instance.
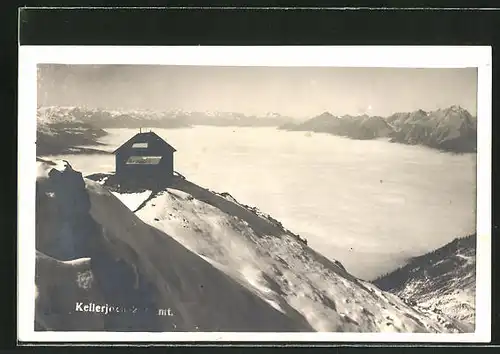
(452, 129)
(66, 130)
(151, 119)
(66, 137)
(356, 127)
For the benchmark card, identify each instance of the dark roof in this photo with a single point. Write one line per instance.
(144, 137)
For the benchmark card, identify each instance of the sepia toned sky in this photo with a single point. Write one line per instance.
(297, 92)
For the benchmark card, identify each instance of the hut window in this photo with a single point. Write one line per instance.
(140, 146)
(144, 160)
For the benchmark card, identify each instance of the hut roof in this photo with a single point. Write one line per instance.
(144, 137)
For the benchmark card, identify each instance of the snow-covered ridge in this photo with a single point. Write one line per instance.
(259, 253)
(127, 264)
(217, 265)
(442, 281)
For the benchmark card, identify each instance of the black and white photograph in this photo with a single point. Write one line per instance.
(221, 198)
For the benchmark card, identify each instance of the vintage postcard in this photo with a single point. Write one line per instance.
(192, 194)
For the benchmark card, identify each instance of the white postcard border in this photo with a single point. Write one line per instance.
(343, 56)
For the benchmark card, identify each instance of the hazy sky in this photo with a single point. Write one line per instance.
(297, 92)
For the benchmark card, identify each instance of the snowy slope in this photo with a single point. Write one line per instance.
(256, 251)
(133, 200)
(91, 249)
(209, 262)
(442, 282)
